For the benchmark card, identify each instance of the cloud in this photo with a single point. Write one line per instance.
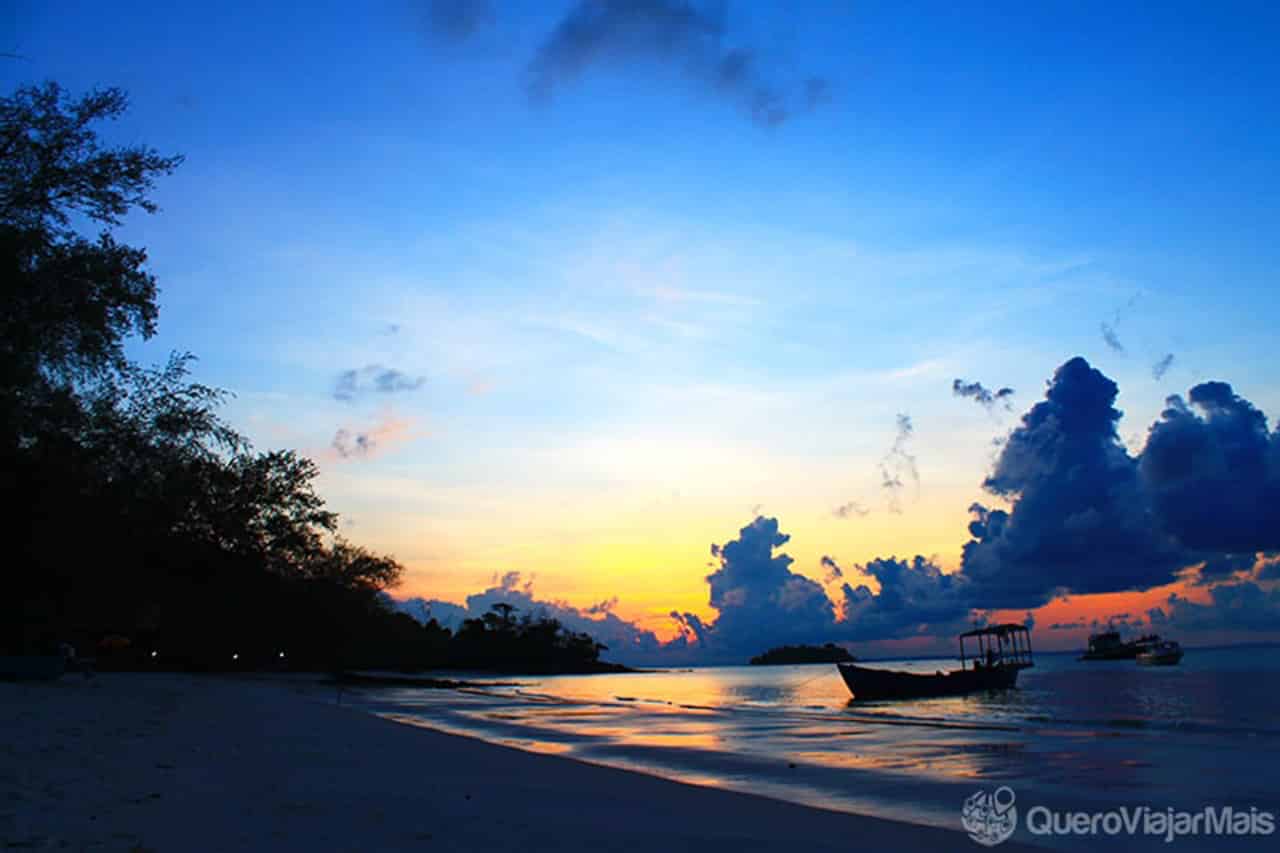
(1161, 367)
(916, 598)
(1223, 566)
(457, 20)
(373, 379)
(1080, 517)
(674, 33)
(983, 396)
(627, 641)
(355, 443)
(1111, 338)
(1067, 626)
(1110, 333)
(897, 464)
(852, 509)
(761, 603)
(758, 598)
(1213, 470)
(1243, 606)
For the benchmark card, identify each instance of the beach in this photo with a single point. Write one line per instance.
(167, 762)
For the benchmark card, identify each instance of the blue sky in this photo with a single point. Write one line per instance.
(636, 313)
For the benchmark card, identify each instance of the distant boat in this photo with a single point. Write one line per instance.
(1003, 651)
(1165, 653)
(1107, 645)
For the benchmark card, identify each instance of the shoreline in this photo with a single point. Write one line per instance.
(178, 762)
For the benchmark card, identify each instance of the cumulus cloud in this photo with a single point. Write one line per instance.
(982, 395)
(1161, 367)
(627, 641)
(1242, 606)
(1080, 519)
(761, 603)
(1213, 469)
(373, 379)
(916, 598)
(898, 466)
(674, 33)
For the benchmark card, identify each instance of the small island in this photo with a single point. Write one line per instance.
(829, 653)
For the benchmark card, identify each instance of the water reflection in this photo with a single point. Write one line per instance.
(1071, 732)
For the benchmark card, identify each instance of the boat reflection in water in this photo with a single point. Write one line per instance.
(1002, 652)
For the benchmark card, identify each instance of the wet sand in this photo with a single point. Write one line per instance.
(185, 763)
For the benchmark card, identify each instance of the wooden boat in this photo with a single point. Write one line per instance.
(1002, 652)
(1107, 645)
(1167, 653)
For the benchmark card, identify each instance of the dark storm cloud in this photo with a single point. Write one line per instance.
(898, 466)
(1161, 367)
(852, 509)
(758, 597)
(373, 378)
(674, 33)
(1067, 626)
(915, 598)
(761, 603)
(1213, 470)
(983, 396)
(457, 19)
(1080, 518)
(1243, 606)
(1223, 566)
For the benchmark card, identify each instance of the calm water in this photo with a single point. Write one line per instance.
(1074, 735)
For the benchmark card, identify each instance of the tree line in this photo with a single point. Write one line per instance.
(142, 527)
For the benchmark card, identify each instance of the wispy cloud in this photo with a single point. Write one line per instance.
(674, 33)
(360, 443)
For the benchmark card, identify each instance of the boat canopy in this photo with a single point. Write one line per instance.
(1007, 644)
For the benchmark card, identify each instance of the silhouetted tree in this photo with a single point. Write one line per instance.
(138, 512)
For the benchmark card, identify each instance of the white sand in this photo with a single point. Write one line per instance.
(181, 763)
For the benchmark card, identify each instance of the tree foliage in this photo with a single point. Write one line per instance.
(139, 512)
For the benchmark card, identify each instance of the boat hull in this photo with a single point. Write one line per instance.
(1163, 659)
(870, 684)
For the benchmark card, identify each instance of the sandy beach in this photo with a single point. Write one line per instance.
(183, 763)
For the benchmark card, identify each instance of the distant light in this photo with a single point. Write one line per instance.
(236, 656)
(282, 654)
(153, 654)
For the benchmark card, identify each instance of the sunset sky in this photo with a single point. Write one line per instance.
(578, 290)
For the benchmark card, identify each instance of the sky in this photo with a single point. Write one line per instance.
(612, 304)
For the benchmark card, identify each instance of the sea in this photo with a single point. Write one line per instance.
(1075, 737)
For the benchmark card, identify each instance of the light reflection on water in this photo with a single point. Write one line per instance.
(1075, 734)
